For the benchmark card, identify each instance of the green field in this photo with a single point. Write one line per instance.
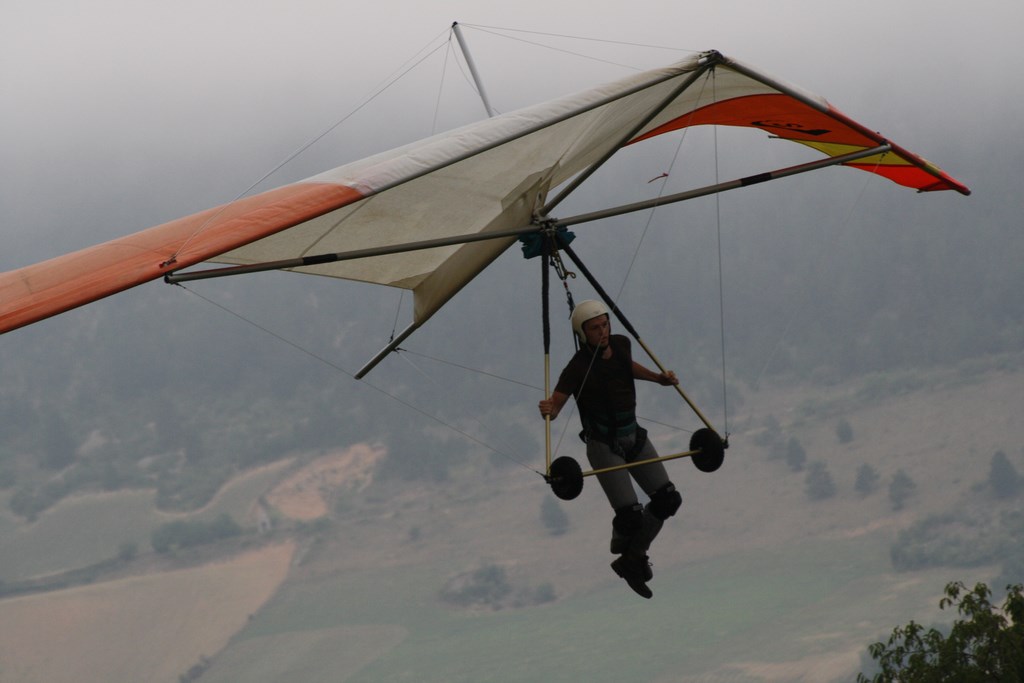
(823, 600)
(151, 626)
(78, 532)
(88, 529)
(753, 583)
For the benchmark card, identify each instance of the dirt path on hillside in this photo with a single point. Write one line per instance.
(148, 627)
(307, 494)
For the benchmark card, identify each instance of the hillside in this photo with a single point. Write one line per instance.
(393, 528)
(751, 502)
(803, 585)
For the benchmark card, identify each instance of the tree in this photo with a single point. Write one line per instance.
(796, 456)
(986, 646)
(1003, 477)
(819, 484)
(127, 551)
(844, 432)
(186, 534)
(488, 584)
(867, 480)
(900, 489)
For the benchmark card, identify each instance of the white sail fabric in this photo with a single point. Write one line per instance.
(488, 176)
(492, 176)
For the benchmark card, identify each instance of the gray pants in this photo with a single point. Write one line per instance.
(620, 492)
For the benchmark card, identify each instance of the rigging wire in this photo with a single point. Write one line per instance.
(718, 228)
(398, 311)
(377, 92)
(440, 87)
(495, 30)
(721, 302)
(479, 422)
(841, 227)
(661, 192)
(572, 409)
(525, 385)
(721, 277)
(650, 214)
(469, 369)
(331, 364)
(417, 59)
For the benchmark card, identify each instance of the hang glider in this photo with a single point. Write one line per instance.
(431, 215)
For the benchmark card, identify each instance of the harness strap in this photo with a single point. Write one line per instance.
(613, 442)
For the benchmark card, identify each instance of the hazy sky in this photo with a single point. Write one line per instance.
(127, 81)
(119, 114)
(101, 56)
(116, 115)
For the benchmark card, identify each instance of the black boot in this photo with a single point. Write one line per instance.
(636, 570)
(620, 546)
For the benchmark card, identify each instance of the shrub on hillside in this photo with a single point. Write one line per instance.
(485, 585)
(819, 484)
(796, 456)
(187, 534)
(1003, 476)
(416, 456)
(29, 501)
(953, 539)
(127, 551)
(489, 586)
(900, 488)
(844, 432)
(192, 487)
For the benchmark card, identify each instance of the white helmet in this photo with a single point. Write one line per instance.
(584, 311)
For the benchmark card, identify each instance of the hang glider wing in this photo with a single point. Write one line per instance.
(742, 96)
(39, 291)
(484, 180)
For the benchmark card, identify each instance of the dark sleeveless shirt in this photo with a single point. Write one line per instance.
(605, 391)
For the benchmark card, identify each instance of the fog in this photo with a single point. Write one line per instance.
(122, 116)
(118, 116)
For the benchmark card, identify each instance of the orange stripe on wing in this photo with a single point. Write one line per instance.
(776, 114)
(791, 119)
(44, 289)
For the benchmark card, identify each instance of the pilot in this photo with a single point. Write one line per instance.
(601, 376)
